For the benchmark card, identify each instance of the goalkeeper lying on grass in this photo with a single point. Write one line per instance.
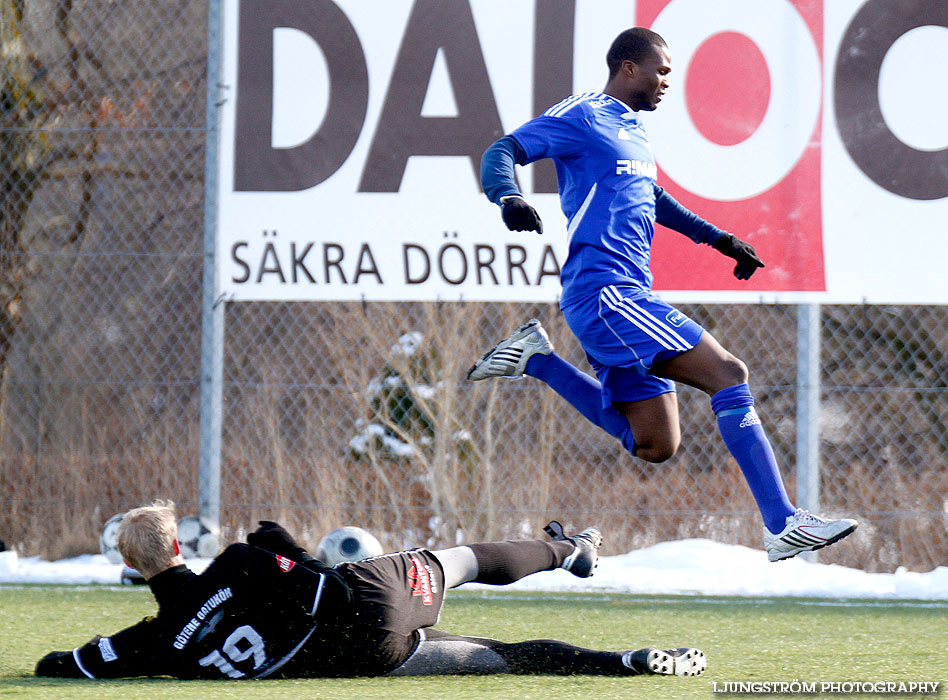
(269, 609)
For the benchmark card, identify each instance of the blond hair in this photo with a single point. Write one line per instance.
(147, 536)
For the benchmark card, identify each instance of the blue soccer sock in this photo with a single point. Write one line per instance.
(583, 392)
(745, 438)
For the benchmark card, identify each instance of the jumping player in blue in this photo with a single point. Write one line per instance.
(638, 345)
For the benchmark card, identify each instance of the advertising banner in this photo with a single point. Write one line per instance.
(352, 132)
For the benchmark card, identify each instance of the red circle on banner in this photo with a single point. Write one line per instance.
(727, 88)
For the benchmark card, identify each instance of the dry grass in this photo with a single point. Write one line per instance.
(288, 424)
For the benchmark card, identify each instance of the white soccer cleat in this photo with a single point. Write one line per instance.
(509, 357)
(805, 532)
(684, 661)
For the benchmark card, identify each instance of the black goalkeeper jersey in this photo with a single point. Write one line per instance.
(245, 617)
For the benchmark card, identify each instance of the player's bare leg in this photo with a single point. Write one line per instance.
(655, 426)
(707, 366)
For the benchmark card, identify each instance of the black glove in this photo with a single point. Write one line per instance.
(59, 664)
(744, 253)
(518, 215)
(274, 538)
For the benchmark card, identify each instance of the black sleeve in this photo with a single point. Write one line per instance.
(669, 212)
(126, 654)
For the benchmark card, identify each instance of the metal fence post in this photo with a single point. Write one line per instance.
(808, 410)
(212, 309)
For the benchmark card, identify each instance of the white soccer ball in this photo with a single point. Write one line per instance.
(108, 540)
(347, 544)
(197, 538)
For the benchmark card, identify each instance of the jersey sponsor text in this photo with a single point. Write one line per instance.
(637, 167)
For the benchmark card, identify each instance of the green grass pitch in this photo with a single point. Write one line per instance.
(745, 639)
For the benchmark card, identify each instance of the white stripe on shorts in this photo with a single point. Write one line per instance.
(656, 329)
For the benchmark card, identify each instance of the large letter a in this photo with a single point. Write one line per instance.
(402, 131)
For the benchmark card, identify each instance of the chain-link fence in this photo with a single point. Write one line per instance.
(101, 193)
(341, 413)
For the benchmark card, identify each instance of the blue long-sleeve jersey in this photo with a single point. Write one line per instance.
(606, 174)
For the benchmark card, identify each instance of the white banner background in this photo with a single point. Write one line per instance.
(878, 247)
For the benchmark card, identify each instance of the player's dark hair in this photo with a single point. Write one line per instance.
(634, 45)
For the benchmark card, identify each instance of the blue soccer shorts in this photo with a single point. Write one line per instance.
(624, 333)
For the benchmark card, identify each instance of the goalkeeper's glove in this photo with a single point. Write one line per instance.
(518, 215)
(744, 253)
(59, 664)
(274, 538)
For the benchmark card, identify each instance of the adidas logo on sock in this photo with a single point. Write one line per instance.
(750, 418)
